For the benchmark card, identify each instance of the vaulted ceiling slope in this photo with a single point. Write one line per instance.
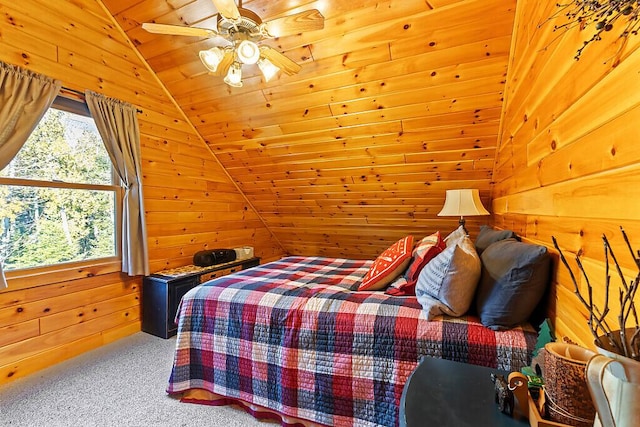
(396, 102)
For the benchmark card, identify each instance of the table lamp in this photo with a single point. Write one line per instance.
(463, 203)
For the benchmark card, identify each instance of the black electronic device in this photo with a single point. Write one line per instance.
(213, 256)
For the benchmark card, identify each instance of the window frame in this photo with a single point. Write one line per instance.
(22, 278)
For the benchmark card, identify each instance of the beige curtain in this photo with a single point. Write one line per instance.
(118, 126)
(24, 98)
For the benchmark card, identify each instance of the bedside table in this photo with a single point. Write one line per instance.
(444, 393)
(162, 292)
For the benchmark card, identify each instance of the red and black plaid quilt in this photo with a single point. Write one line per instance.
(295, 337)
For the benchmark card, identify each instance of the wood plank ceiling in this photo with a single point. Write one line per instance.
(396, 102)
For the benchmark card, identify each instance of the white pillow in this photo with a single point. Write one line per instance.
(447, 284)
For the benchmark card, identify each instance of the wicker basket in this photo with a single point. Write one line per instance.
(568, 398)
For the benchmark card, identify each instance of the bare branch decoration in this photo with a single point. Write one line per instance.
(616, 340)
(602, 15)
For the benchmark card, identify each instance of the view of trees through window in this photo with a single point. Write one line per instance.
(58, 201)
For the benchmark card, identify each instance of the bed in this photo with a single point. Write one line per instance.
(295, 338)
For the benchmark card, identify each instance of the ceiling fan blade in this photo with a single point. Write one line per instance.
(225, 63)
(178, 30)
(279, 60)
(227, 9)
(309, 20)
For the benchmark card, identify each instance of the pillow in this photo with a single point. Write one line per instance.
(488, 236)
(455, 235)
(447, 284)
(399, 288)
(424, 252)
(389, 265)
(514, 278)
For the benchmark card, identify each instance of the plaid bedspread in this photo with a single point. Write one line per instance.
(292, 336)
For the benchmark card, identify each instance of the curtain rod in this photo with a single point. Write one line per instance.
(76, 95)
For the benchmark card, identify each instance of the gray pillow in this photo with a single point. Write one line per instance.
(514, 278)
(447, 284)
(453, 237)
(488, 236)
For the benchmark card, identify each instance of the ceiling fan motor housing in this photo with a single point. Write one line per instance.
(246, 28)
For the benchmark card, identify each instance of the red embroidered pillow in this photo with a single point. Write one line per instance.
(424, 252)
(389, 265)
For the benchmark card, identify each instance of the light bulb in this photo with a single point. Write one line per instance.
(234, 75)
(248, 52)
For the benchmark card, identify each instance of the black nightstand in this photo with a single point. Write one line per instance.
(162, 291)
(444, 393)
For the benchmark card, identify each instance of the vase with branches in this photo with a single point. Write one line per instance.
(613, 375)
(622, 338)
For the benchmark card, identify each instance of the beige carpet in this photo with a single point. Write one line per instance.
(121, 384)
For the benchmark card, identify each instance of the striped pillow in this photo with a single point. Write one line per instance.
(424, 252)
(448, 283)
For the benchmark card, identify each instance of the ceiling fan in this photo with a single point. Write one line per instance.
(238, 33)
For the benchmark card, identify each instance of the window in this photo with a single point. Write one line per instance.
(58, 200)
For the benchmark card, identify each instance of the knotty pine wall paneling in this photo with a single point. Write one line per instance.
(190, 202)
(568, 161)
(396, 102)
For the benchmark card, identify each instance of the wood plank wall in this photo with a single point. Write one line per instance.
(396, 102)
(190, 202)
(568, 157)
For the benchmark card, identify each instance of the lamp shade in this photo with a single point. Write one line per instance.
(211, 58)
(248, 52)
(269, 70)
(463, 203)
(234, 75)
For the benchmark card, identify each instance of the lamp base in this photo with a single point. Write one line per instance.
(461, 223)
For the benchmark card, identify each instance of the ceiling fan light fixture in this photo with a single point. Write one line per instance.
(211, 58)
(248, 52)
(234, 75)
(268, 69)
(236, 34)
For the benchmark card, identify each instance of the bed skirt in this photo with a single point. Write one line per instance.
(204, 397)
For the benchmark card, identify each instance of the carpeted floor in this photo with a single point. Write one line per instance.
(121, 384)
